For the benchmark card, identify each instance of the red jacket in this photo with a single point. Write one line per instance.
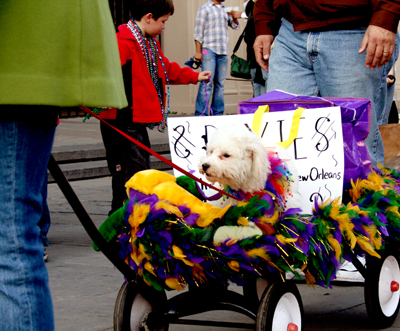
(323, 14)
(146, 106)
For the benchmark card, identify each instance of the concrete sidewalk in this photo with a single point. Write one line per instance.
(79, 149)
(73, 132)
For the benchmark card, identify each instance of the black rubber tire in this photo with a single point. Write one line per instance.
(271, 298)
(124, 320)
(381, 314)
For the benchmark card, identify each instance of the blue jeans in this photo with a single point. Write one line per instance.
(327, 64)
(390, 94)
(258, 89)
(218, 65)
(45, 221)
(26, 137)
(265, 76)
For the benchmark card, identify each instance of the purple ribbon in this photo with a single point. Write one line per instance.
(207, 102)
(214, 197)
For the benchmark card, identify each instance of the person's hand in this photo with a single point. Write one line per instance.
(262, 50)
(204, 75)
(236, 14)
(379, 44)
(198, 56)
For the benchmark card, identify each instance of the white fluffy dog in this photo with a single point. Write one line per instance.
(237, 157)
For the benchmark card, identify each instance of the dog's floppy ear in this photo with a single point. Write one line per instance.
(260, 164)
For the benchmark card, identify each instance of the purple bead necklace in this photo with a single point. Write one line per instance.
(151, 55)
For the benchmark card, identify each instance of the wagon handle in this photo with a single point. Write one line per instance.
(87, 222)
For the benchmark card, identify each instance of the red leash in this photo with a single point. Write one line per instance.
(158, 156)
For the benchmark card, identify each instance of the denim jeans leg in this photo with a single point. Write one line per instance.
(221, 70)
(208, 64)
(45, 221)
(290, 66)
(327, 64)
(390, 93)
(385, 102)
(341, 72)
(258, 89)
(25, 300)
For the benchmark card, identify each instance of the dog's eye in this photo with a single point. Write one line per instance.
(226, 155)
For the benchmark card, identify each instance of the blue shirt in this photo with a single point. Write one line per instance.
(211, 27)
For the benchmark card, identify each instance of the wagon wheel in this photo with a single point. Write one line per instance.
(381, 291)
(281, 308)
(132, 309)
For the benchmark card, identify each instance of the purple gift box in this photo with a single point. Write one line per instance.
(355, 113)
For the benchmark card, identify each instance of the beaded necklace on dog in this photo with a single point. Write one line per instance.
(151, 55)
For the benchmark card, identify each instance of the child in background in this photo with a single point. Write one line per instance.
(146, 74)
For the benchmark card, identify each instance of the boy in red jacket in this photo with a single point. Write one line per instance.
(146, 73)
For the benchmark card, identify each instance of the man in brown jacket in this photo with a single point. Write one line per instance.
(330, 48)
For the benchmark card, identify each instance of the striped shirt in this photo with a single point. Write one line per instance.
(211, 27)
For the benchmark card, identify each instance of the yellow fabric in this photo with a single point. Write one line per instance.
(294, 130)
(177, 195)
(258, 115)
(165, 187)
(257, 118)
(145, 181)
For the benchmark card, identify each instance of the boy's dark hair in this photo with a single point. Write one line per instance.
(158, 8)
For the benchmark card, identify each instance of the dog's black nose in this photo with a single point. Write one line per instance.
(205, 166)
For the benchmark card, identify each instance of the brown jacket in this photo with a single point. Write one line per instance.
(325, 14)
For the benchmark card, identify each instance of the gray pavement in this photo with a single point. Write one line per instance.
(72, 132)
(85, 284)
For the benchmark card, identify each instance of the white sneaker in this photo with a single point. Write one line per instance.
(348, 272)
(45, 255)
